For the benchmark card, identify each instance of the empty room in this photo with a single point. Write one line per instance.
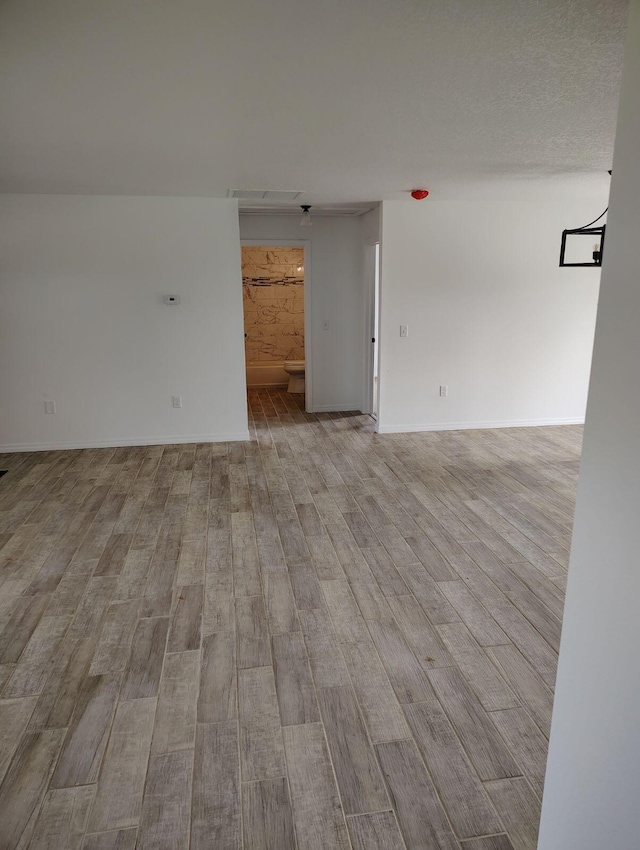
(319, 403)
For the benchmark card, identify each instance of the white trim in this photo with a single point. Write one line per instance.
(369, 262)
(308, 359)
(273, 385)
(242, 436)
(472, 426)
(381, 302)
(335, 408)
(377, 329)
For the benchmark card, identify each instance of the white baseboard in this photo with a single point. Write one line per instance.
(333, 408)
(266, 386)
(476, 426)
(10, 448)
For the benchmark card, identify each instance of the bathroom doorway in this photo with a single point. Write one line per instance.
(274, 284)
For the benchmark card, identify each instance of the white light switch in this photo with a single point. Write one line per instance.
(176, 400)
(404, 331)
(326, 325)
(444, 390)
(49, 407)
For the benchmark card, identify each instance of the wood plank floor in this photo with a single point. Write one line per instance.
(321, 638)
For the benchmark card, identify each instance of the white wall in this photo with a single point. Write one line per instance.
(82, 321)
(335, 285)
(592, 788)
(489, 313)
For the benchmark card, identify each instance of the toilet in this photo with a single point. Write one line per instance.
(295, 370)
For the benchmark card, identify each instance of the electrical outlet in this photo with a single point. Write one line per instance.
(404, 331)
(49, 406)
(176, 400)
(444, 390)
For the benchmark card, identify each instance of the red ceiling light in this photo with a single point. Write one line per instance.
(419, 194)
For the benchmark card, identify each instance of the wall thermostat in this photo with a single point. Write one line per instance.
(171, 299)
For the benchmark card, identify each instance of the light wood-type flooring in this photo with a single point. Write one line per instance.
(319, 639)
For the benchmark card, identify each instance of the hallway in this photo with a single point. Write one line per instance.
(323, 638)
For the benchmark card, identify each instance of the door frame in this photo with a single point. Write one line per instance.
(372, 281)
(305, 244)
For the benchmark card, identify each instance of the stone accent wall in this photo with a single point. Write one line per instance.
(273, 297)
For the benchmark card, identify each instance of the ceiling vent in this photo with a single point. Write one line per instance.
(264, 194)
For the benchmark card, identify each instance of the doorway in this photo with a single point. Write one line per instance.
(274, 295)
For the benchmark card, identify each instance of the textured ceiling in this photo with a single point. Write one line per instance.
(348, 100)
